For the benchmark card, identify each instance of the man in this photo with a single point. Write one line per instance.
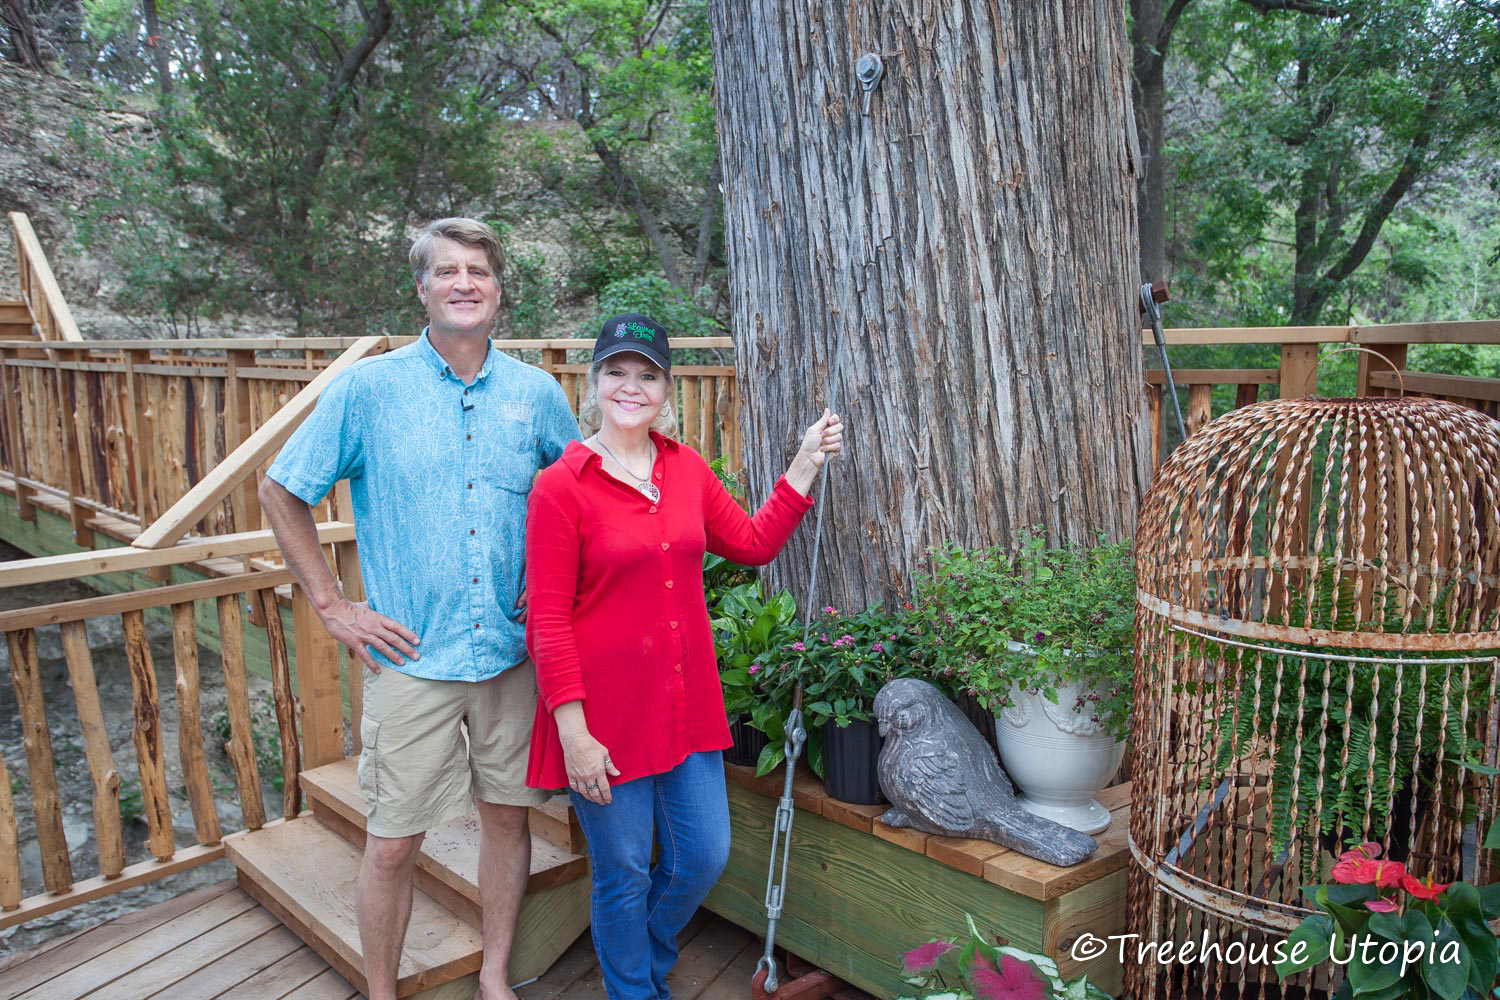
(440, 441)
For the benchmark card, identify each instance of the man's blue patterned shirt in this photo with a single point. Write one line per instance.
(439, 474)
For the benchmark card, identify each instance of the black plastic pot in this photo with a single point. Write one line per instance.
(748, 742)
(850, 758)
(982, 718)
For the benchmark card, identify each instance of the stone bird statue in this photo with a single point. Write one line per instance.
(942, 778)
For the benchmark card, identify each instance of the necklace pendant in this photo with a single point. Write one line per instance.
(650, 491)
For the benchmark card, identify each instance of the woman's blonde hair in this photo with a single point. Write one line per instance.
(589, 417)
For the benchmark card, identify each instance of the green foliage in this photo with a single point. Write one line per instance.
(530, 290)
(264, 739)
(745, 626)
(132, 801)
(1396, 935)
(1034, 619)
(653, 295)
(841, 666)
(1313, 157)
(272, 185)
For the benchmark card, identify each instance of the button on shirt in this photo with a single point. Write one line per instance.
(439, 473)
(617, 616)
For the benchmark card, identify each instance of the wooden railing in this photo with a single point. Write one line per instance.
(1297, 373)
(210, 613)
(172, 437)
(39, 288)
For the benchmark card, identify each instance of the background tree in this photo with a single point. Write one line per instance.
(22, 45)
(992, 379)
(1301, 123)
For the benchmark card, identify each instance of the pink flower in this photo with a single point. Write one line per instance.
(1015, 980)
(925, 958)
(830, 610)
(1380, 905)
(1369, 849)
(798, 646)
(877, 647)
(754, 669)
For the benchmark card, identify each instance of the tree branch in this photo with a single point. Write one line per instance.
(1318, 7)
(376, 27)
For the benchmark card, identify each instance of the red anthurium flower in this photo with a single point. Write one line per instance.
(1364, 871)
(1355, 871)
(1388, 874)
(1423, 888)
(1380, 905)
(1014, 980)
(1369, 849)
(925, 958)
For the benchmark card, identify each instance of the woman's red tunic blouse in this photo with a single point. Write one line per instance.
(615, 610)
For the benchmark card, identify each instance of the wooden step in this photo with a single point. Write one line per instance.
(14, 311)
(448, 865)
(305, 874)
(554, 821)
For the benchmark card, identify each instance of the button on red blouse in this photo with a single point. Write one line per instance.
(601, 626)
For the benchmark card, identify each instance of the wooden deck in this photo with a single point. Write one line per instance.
(216, 942)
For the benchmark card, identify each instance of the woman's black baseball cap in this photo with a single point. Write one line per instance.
(638, 334)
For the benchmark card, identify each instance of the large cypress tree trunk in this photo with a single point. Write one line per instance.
(992, 380)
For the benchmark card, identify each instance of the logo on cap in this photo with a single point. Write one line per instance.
(620, 330)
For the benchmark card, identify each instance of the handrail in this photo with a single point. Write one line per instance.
(52, 311)
(74, 565)
(241, 463)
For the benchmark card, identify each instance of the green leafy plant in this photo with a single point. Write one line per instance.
(263, 737)
(842, 665)
(1398, 935)
(744, 628)
(132, 802)
(943, 969)
(1034, 619)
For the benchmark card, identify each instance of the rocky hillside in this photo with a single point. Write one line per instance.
(48, 128)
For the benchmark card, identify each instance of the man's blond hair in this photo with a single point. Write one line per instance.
(469, 232)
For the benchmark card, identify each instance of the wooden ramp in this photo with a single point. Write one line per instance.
(304, 871)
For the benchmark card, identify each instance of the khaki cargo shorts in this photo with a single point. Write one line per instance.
(431, 747)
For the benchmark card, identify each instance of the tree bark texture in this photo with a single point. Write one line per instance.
(992, 377)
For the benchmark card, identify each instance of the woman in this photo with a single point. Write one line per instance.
(631, 716)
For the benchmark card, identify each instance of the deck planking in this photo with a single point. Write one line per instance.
(215, 943)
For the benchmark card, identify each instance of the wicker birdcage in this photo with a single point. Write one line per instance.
(1316, 642)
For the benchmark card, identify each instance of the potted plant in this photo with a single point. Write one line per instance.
(745, 627)
(1397, 935)
(1042, 637)
(943, 969)
(841, 665)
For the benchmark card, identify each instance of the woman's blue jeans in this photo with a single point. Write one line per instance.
(637, 908)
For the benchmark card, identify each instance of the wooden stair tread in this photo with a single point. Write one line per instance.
(450, 853)
(305, 874)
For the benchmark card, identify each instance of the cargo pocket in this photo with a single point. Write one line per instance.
(369, 761)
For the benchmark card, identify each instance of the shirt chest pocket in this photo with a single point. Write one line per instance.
(508, 461)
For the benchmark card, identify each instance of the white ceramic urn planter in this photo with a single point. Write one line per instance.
(1058, 757)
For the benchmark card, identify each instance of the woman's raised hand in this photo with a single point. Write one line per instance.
(824, 438)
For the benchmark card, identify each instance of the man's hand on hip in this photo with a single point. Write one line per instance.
(356, 626)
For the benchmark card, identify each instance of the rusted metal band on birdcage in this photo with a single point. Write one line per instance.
(1405, 642)
(1237, 907)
